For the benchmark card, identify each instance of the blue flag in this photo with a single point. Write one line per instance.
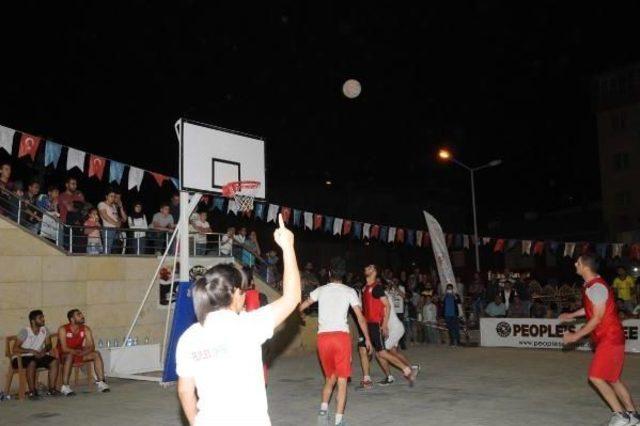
(52, 153)
(258, 210)
(553, 246)
(297, 215)
(601, 249)
(411, 237)
(384, 233)
(175, 182)
(328, 224)
(357, 230)
(116, 170)
(218, 203)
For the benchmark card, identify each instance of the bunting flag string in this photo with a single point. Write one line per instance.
(337, 226)
(28, 146)
(6, 139)
(96, 166)
(52, 152)
(308, 220)
(75, 158)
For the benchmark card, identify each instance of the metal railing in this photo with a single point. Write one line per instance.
(77, 239)
(263, 268)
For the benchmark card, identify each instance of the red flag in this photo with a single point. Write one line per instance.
(96, 166)
(585, 248)
(159, 178)
(426, 239)
(400, 235)
(286, 214)
(346, 227)
(29, 145)
(317, 221)
(538, 248)
(499, 247)
(375, 231)
(634, 251)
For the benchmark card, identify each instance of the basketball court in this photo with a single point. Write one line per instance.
(462, 387)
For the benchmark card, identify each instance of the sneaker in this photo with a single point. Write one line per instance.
(619, 419)
(634, 418)
(65, 390)
(416, 367)
(365, 385)
(387, 381)
(323, 418)
(33, 396)
(53, 392)
(411, 377)
(102, 386)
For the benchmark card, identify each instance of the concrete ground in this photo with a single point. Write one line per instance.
(470, 386)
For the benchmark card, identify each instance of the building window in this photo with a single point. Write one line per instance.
(621, 161)
(623, 199)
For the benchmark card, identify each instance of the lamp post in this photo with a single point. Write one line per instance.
(446, 155)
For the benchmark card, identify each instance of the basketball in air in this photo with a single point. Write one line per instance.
(351, 88)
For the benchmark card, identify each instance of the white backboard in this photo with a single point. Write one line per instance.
(211, 157)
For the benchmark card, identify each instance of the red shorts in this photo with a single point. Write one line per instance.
(607, 362)
(334, 351)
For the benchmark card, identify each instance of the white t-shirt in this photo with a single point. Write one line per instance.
(334, 300)
(225, 358)
(32, 341)
(429, 312)
(111, 212)
(397, 299)
(198, 237)
(226, 245)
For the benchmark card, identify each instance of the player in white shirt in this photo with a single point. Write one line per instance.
(220, 356)
(334, 340)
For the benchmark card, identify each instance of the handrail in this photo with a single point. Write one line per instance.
(74, 239)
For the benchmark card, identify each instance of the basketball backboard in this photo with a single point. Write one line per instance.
(211, 157)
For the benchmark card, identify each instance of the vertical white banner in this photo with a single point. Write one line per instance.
(440, 252)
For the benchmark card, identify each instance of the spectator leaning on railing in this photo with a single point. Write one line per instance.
(137, 220)
(92, 231)
(162, 221)
(110, 219)
(49, 204)
(201, 227)
(29, 216)
(226, 242)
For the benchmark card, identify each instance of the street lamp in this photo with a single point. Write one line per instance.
(445, 154)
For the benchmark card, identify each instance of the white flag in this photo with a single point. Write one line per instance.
(272, 214)
(366, 230)
(486, 240)
(308, 220)
(616, 250)
(337, 226)
(392, 234)
(6, 139)
(526, 247)
(232, 206)
(441, 254)
(75, 158)
(135, 177)
(418, 238)
(465, 241)
(569, 248)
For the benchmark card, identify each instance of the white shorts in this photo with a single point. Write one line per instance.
(396, 331)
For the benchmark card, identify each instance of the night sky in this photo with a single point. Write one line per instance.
(489, 79)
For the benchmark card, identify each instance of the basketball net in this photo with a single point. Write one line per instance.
(243, 193)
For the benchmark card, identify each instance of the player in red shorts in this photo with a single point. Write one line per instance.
(75, 345)
(608, 339)
(334, 341)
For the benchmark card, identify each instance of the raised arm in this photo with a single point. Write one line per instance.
(291, 278)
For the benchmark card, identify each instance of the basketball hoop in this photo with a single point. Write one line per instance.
(243, 193)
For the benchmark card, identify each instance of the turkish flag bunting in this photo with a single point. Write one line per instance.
(346, 227)
(634, 251)
(538, 248)
(499, 247)
(317, 221)
(29, 145)
(400, 235)
(159, 178)
(96, 166)
(375, 231)
(286, 214)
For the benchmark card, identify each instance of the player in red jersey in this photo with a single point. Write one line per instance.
(75, 345)
(607, 335)
(253, 300)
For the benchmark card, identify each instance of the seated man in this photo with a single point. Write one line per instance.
(75, 346)
(33, 346)
(497, 308)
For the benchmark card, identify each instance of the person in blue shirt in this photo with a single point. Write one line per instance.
(450, 312)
